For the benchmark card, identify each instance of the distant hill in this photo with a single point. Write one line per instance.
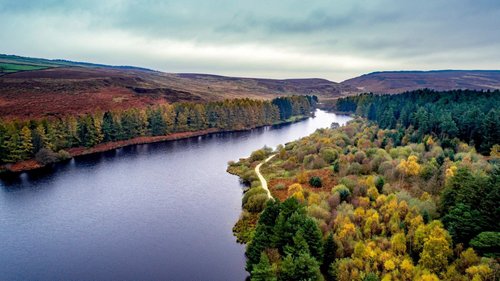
(34, 87)
(31, 87)
(13, 63)
(400, 81)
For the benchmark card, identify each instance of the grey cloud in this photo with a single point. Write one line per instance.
(399, 32)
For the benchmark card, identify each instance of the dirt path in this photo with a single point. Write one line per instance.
(263, 181)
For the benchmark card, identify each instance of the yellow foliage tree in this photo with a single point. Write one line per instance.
(495, 151)
(409, 167)
(302, 177)
(296, 191)
(296, 187)
(313, 199)
(428, 277)
(389, 265)
(450, 172)
(436, 251)
(299, 195)
(398, 243)
(430, 141)
(406, 269)
(479, 272)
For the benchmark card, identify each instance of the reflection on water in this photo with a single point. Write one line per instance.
(161, 211)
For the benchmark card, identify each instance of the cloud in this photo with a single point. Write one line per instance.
(329, 39)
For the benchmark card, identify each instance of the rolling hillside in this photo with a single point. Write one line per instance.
(401, 81)
(33, 87)
(38, 88)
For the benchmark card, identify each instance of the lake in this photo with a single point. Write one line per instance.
(161, 211)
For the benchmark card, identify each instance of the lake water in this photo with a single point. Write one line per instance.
(159, 211)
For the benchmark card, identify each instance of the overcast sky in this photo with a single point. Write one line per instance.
(269, 38)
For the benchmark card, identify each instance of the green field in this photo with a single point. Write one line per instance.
(12, 67)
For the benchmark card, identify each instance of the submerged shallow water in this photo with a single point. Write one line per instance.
(160, 211)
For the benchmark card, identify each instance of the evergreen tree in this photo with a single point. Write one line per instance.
(40, 139)
(108, 129)
(299, 245)
(303, 267)
(11, 145)
(181, 122)
(490, 130)
(314, 238)
(263, 270)
(329, 255)
(262, 239)
(156, 123)
(25, 145)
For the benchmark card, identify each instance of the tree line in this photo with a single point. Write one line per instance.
(21, 140)
(472, 116)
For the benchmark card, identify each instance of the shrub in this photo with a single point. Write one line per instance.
(385, 167)
(255, 183)
(302, 177)
(359, 157)
(354, 169)
(342, 190)
(315, 181)
(289, 164)
(256, 203)
(294, 188)
(308, 159)
(348, 182)
(429, 170)
(46, 156)
(336, 166)
(249, 176)
(280, 186)
(318, 163)
(63, 155)
(258, 155)
(329, 154)
(251, 192)
(318, 212)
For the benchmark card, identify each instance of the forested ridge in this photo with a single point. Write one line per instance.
(46, 139)
(377, 201)
(471, 116)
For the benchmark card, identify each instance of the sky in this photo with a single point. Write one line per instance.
(336, 39)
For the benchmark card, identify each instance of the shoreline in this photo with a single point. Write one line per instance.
(32, 164)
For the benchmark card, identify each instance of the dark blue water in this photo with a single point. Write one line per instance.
(148, 212)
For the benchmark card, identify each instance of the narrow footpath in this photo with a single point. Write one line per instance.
(263, 181)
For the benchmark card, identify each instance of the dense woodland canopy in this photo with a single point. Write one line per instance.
(388, 202)
(471, 116)
(46, 139)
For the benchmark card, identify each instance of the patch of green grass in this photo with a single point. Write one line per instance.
(12, 67)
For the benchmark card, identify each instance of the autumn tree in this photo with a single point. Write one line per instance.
(25, 145)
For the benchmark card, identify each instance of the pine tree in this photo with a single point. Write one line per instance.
(372, 113)
(329, 255)
(25, 145)
(108, 129)
(259, 243)
(169, 118)
(40, 138)
(181, 122)
(314, 238)
(156, 124)
(490, 130)
(306, 268)
(263, 270)
(11, 145)
(299, 245)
